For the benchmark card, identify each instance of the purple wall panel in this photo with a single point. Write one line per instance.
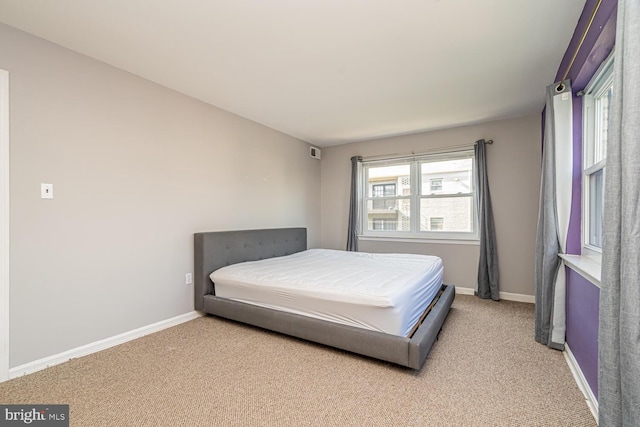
(585, 59)
(582, 298)
(582, 325)
(600, 50)
(596, 47)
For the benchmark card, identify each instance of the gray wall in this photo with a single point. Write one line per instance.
(137, 169)
(514, 178)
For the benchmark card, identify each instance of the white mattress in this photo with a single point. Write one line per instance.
(381, 292)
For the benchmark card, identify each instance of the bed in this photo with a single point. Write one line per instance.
(215, 250)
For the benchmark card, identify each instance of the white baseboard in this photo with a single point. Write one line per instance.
(94, 347)
(509, 296)
(464, 291)
(517, 297)
(590, 398)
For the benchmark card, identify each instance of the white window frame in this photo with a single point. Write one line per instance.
(416, 195)
(600, 84)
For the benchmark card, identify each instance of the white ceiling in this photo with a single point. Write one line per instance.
(326, 71)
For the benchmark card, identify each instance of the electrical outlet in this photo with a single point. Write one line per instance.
(188, 279)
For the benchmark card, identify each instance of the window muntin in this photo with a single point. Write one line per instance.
(429, 197)
(597, 101)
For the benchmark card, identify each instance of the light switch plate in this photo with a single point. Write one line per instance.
(46, 191)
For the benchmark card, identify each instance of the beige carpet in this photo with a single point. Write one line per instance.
(486, 370)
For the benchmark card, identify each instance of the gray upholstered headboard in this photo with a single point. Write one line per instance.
(217, 249)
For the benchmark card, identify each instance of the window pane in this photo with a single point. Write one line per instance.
(395, 215)
(596, 203)
(447, 177)
(389, 181)
(602, 125)
(596, 113)
(449, 213)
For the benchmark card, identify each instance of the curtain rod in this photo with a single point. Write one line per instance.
(431, 151)
(584, 36)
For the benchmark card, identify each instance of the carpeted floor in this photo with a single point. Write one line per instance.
(486, 370)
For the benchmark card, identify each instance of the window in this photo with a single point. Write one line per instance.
(431, 196)
(383, 190)
(437, 223)
(384, 224)
(595, 137)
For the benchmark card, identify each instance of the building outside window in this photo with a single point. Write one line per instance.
(384, 224)
(383, 190)
(436, 223)
(430, 196)
(436, 184)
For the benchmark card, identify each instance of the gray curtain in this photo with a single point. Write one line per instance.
(619, 333)
(550, 322)
(488, 265)
(352, 236)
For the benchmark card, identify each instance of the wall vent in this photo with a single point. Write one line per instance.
(315, 153)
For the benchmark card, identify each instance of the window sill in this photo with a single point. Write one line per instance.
(419, 240)
(588, 267)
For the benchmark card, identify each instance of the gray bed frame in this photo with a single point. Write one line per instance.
(214, 250)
